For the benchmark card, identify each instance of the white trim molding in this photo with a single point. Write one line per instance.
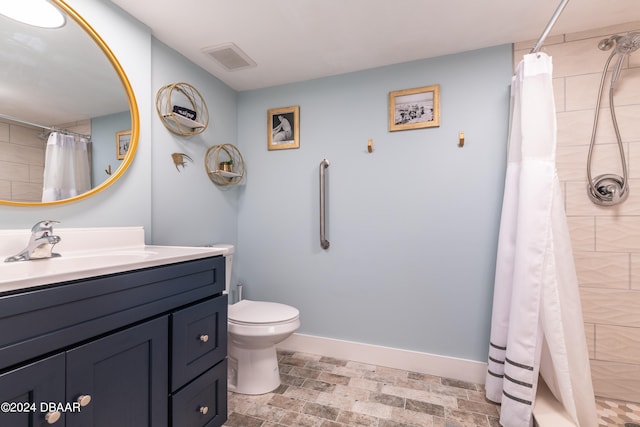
(425, 363)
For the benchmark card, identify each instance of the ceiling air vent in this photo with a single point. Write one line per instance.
(230, 57)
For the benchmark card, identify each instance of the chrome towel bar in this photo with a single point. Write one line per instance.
(324, 243)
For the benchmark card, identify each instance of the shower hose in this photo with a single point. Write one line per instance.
(610, 189)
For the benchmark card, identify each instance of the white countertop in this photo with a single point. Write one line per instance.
(86, 253)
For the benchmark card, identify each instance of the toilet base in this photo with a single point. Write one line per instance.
(252, 371)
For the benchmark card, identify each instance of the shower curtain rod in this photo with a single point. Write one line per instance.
(549, 26)
(51, 129)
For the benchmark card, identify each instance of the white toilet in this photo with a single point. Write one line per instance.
(253, 330)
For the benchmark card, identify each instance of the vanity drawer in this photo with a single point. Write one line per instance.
(203, 403)
(198, 339)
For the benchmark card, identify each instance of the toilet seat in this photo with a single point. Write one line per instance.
(248, 312)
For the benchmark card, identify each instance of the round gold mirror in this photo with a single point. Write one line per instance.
(61, 81)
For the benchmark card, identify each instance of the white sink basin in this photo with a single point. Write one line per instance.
(79, 261)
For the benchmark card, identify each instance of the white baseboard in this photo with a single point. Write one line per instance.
(431, 364)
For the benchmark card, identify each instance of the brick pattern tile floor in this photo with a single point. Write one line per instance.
(318, 391)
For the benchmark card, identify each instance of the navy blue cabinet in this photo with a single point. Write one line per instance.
(135, 349)
(122, 378)
(24, 390)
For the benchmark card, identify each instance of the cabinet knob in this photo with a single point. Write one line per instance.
(84, 399)
(204, 409)
(204, 338)
(52, 417)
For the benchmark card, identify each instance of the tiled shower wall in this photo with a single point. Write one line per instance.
(22, 154)
(606, 240)
(21, 163)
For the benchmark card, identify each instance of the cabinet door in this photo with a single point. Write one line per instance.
(121, 378)
(28, 391)
(199, 339)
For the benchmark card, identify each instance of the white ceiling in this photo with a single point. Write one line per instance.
(297, 40)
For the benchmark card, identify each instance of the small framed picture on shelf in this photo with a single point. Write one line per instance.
(123, 138)
(283, 128)
(414, 108)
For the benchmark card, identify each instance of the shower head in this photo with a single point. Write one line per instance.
(628, 44)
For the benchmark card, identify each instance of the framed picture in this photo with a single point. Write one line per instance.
(414, 108)
(122, 143)
(283, 128)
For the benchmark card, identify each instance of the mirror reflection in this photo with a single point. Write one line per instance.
(62, 105)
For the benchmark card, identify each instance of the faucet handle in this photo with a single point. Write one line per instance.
(45, 225)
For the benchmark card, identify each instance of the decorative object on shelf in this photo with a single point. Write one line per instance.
(283, 128)
(182, 109)
(123, 138)
(224, 164)
(179, 160)
(414, 108)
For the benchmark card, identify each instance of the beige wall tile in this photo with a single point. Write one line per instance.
(590, 335)
(26, 136)
(618, 344)
(36, 173)
(618, 234)
(633, 158)
(635, 271)
(577, 57)
(14, 171)
(4, 132)
(5, 189)
(603, 270)
(610, 307)
(571, 162)
(559, 94)
(582, 231)
(616, 380)
(26, 191)
(574, 127)
(604, 31)
(582, 92)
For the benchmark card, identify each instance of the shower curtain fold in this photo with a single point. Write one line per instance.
(67, 168)
(537, 329)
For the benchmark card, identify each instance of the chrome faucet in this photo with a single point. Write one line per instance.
(40, 244)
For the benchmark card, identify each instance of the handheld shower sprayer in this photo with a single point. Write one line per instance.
(610, 189)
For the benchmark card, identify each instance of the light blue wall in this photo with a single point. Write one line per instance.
(103, 137)
(187, 208)
(413, 226)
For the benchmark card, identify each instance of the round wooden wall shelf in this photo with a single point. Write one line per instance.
(224, 164)
(182, 109)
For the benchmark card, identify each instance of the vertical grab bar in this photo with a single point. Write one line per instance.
(324, 243)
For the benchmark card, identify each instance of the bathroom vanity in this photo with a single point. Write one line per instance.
(136, 337)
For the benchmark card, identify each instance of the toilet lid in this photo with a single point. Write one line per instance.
(260, 312)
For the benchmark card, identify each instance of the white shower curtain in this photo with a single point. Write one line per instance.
(67, 167)
(537, 327)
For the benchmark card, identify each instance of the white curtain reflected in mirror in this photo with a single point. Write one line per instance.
(67, 167)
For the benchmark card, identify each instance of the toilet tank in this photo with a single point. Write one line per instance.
(228, 251)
